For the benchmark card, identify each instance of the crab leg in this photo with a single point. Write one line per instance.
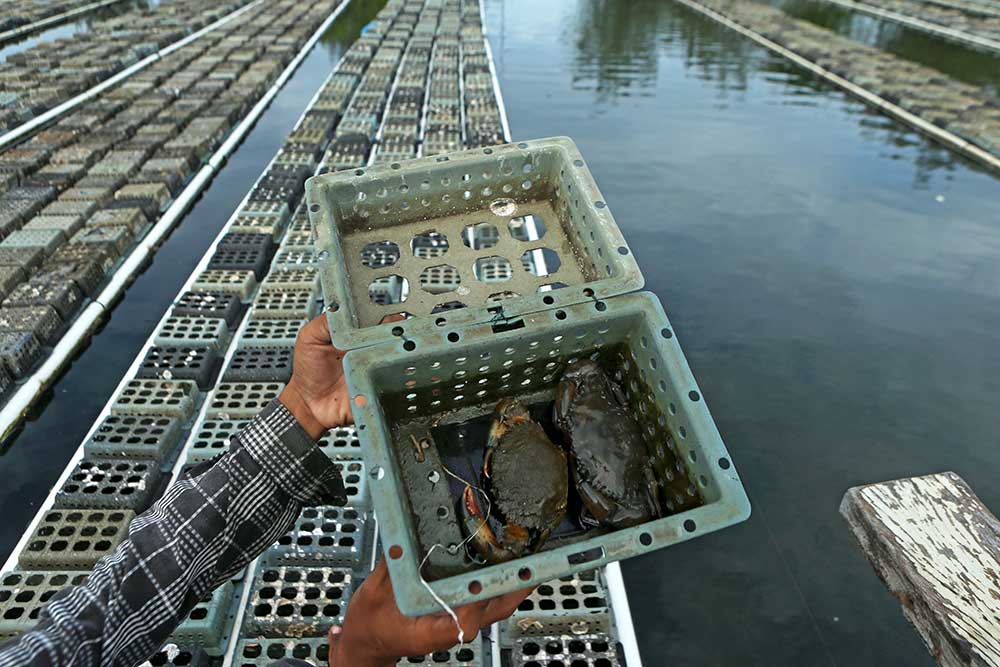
(483, 540)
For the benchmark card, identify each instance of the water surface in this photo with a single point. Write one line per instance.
(960, 62)
(31, 463)
(832, 277)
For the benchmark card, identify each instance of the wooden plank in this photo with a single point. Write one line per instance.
(937, 548)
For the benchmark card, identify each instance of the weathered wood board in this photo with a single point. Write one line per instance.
(937, 548)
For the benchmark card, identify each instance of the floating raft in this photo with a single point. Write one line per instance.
(85, 202)
(419, 81)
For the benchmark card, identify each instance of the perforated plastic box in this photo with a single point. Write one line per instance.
(74, 539)
(505, 225)
(262, 652)
(242, 400)
(205, 625)
(297, 601)
(581, 651)
(324, 535)
(134, 436)
(156, 397)
(110, 484)
(23, 596)
(576, 604)
(456, 375)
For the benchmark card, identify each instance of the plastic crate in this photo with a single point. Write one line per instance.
(324, 535)
(74, 539)
(23, 596)
(259, 364)
(110, 484)
(551, 221)
(42, 321)
(192, 331)
(172, 655)
(240, 282)
(582, 651)
(134, 436)
(157, 397)
(211, 438)
(209, 304)
(242, 400)
(262, 652)
(576, 604)
(291, 601)
(270, 333)
(469, 654)
(285, 303)
(341, 443)
(19, 350)
(206, 624)
(189, 362)
(458, 375)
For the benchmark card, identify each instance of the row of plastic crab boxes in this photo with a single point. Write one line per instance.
(125, 459)
(38, 78)
(87, 187)
(26, 12)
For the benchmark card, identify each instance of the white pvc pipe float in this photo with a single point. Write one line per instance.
(28, 391)
(29, 126)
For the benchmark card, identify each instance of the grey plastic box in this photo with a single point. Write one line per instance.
(464, 234)
(452, 376)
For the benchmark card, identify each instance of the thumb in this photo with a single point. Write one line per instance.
(332, 641)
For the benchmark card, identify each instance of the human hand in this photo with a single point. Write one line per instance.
(317, 393)
(376, 634)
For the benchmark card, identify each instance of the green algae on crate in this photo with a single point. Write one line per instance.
(296, 601)
(23, 596)
(74, 539)
(134, 436)
(324, 535)
(206, 624)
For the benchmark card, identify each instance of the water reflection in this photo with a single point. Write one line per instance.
(824, 268)
(962, 63)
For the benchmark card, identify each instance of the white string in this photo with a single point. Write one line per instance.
(437, 598)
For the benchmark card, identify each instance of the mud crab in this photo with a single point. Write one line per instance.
(607, 451)
(526, 479)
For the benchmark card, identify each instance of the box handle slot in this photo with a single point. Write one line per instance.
(582, 557)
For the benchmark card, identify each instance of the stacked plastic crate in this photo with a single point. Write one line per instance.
(481, 110)
(441, 129)
(40, 77)
(80, 194)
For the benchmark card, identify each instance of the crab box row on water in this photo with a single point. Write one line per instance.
(461, 281)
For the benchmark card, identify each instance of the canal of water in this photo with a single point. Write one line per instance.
(32, 462)
(832, 277)
(957, 61)
(80, 25)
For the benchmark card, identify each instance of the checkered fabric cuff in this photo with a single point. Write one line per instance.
(286, 452)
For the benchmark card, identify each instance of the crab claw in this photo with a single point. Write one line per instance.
(481, 536)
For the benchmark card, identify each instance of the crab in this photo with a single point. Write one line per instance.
(526, 480)
(608, 455)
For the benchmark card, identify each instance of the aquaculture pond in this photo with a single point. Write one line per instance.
(832, 277)
(831, 274)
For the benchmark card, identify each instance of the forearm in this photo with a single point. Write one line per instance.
(202, 531)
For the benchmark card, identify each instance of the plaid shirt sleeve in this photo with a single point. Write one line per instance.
(208, 525)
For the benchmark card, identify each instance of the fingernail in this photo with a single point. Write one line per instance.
(335, 630)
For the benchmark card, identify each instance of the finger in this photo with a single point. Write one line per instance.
(441, 630)
(503, 606)
(317, 330)
(332, 639)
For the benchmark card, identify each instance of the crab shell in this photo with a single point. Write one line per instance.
(607, 450)
(527, 480)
